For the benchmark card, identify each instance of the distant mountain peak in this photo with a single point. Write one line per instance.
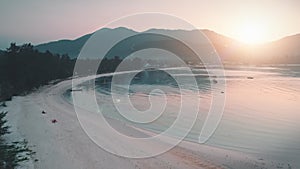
(285, 50)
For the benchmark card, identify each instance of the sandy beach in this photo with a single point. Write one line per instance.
(65, 145)
(150, 84)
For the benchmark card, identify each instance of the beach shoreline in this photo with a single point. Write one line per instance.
(64, 144)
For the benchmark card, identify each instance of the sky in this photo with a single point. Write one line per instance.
(39, 21)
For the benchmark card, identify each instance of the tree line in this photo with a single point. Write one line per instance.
(23, 68)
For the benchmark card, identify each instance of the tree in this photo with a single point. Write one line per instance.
(11, 154)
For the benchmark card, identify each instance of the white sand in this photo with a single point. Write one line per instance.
(64, 145)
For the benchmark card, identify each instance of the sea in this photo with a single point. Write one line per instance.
(261, 114)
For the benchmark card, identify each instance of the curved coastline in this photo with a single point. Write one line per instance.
(65, 145)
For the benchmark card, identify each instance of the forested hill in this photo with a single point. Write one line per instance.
(22, 68)
(282, 51)
(70, 47)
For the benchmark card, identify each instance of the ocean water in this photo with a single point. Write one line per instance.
(261, 115)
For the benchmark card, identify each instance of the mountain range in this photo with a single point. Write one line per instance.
(283, 51)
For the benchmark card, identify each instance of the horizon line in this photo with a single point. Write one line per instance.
(170, 29)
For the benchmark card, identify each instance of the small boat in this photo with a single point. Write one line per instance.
(75, 89)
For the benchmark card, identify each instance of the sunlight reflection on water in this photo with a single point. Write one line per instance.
(262, 111)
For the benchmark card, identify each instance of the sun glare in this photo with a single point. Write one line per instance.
(252, 33)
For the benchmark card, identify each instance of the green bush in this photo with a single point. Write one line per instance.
(11, 154)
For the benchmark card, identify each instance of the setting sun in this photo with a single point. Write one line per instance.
(252, 33)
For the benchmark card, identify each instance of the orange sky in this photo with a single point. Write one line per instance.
(40, 21)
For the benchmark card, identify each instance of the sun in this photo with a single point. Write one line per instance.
(252, 33)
